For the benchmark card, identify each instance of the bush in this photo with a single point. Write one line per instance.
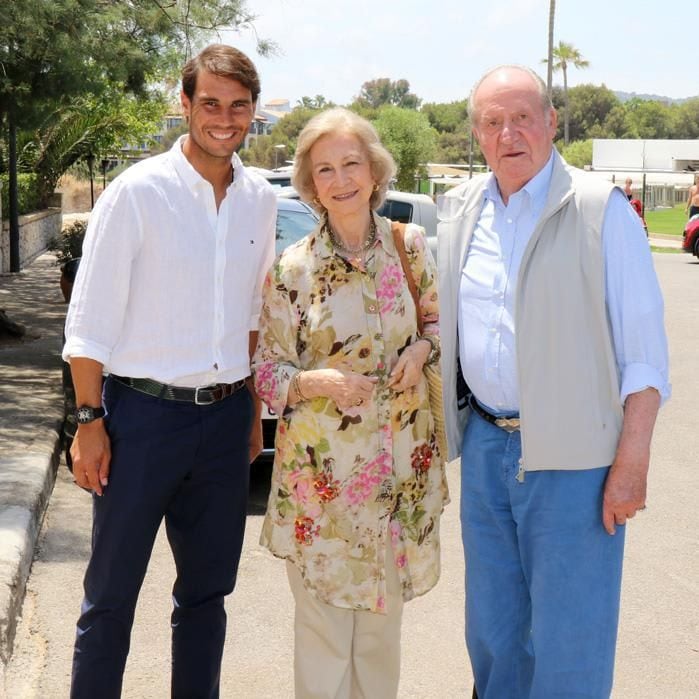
(69, 245)
(28, 193)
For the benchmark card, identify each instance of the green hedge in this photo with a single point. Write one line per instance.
(28, 196)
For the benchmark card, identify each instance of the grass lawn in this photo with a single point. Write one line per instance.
(670, 221)
(654, 248)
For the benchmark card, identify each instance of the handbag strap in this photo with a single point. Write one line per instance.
(398, 231)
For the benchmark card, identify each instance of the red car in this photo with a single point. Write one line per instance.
(690, 237)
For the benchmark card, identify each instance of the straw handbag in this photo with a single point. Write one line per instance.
(432, 371)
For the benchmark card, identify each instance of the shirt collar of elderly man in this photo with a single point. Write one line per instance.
(514, 123)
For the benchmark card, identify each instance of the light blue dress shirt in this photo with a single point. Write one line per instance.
(488, 285)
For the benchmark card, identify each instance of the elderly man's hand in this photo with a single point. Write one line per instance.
(624, 490)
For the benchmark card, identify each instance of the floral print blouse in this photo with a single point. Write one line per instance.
(344, 481)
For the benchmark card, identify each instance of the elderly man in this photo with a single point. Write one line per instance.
(553, 346)
(166, 303)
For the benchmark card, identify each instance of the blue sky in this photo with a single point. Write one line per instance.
(441, 47)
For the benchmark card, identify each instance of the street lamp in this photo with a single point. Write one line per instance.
(277, 148)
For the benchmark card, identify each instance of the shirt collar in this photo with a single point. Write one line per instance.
(537, 188)
(186, 170)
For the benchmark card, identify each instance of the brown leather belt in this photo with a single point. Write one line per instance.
(509, 424)
(202, 395)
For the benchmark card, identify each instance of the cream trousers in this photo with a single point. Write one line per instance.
(346, 654)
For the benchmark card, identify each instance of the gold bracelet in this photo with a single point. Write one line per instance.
(435, 351)
(296, 385)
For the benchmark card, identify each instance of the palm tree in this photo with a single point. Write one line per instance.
(549, 61)
(565, 55)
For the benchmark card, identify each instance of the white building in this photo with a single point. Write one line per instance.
(664, 167)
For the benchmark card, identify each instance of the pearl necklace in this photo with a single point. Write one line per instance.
(355, 255)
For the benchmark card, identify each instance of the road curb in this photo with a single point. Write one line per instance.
(26, 483)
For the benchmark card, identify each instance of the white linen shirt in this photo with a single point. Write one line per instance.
(486, 315)
(168, 287)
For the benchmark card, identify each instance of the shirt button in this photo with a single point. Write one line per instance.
(372, 308)
(509, 220)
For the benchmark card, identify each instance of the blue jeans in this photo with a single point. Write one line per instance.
(543, 578)
(189, 465)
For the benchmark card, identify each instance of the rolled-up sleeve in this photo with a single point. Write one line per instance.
(634, 302)
(101, 291)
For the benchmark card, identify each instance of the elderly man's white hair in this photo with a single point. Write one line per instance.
(546, 103)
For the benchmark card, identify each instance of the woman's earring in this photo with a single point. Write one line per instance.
(376, 187)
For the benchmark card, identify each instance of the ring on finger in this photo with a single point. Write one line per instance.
(359, 401)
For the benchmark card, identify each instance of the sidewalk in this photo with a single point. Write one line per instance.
(661, 240)
(31, 414)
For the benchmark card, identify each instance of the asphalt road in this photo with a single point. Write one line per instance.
(658, 651)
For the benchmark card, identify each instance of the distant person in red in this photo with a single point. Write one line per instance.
(636, 203)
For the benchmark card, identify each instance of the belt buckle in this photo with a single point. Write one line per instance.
(201, 401)
(509, 424)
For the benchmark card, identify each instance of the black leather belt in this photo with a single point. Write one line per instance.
(509, 424)
(202, 395)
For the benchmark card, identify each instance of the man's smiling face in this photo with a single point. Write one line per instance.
(220, 114)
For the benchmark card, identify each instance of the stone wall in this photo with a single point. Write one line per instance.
(35, 232)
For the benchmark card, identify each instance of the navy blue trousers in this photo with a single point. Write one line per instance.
(189, 465)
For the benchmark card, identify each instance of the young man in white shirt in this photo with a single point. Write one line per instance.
(166, 305)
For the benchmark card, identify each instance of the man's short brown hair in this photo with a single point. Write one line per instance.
(224, 61)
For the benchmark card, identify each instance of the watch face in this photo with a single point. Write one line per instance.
(85, 414)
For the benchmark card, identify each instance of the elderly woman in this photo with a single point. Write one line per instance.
(358, 481)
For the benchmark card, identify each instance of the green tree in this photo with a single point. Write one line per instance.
(317, 102)
(411, 140)
(87, 127)
(383, 91)
(453, 127)
(578, 153)
(615, 123)
(447, 117)
(51, 50)
(55, 51)
(260, 152)
(685, 119)
(564, 56)
(588, 108)
(647, 119)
